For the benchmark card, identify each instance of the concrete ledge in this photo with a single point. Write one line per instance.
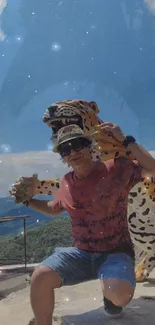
(12, 284)
(82, 304)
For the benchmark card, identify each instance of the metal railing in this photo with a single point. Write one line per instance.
(24, 218)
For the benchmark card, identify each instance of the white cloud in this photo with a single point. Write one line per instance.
(151, 5)
(46, 164)
(152, 152)
(3, 4)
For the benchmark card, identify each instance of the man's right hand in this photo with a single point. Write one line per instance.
(24, 188)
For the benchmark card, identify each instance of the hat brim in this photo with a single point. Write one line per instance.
(55, 148)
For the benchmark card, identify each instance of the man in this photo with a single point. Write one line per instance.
(95, 195)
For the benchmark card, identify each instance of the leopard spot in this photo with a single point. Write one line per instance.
(146, 212)
(57, 184)
(130, 201)
(116, 154)
(142, 228)
(143, 202)
(133, 226)
(132, 215)
(133, 194)
(141, 221)
(140, 241)
(152, 258)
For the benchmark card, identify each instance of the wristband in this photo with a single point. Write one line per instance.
(26, 203)
(128, 139)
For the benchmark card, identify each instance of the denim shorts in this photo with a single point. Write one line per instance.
(75, 266)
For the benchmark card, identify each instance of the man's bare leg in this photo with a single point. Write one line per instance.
(43, 282)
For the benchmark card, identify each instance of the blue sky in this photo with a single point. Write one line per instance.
(108, 57)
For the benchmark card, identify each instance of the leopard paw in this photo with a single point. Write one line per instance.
(141, 273)
(24, 188)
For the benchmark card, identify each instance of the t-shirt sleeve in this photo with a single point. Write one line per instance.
(57, 202)
(130, 170)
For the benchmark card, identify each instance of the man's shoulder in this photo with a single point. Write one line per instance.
(67, 176)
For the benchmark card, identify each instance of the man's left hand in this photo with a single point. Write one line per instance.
(113, 129)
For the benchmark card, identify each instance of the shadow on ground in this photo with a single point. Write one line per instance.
(139, 312)
(149, 283)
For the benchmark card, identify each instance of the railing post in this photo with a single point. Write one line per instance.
(24, 217)
(25, 247)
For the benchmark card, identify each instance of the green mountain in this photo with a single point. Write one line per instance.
(41, 242)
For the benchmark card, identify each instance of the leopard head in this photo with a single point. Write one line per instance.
(80, 112)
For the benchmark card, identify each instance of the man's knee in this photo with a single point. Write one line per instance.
(121, 299)
(117, 291)
(45, 277)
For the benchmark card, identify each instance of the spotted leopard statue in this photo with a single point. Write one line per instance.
(141, 201)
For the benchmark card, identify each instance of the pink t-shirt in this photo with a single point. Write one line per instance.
(97, 205)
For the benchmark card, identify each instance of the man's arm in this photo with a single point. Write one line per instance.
(144, 158)
(46, 207)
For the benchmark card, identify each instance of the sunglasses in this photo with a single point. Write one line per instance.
(76, 144)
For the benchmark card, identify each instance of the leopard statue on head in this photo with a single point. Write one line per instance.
(141, 206)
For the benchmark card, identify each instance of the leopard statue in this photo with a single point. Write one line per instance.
(141, 200)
